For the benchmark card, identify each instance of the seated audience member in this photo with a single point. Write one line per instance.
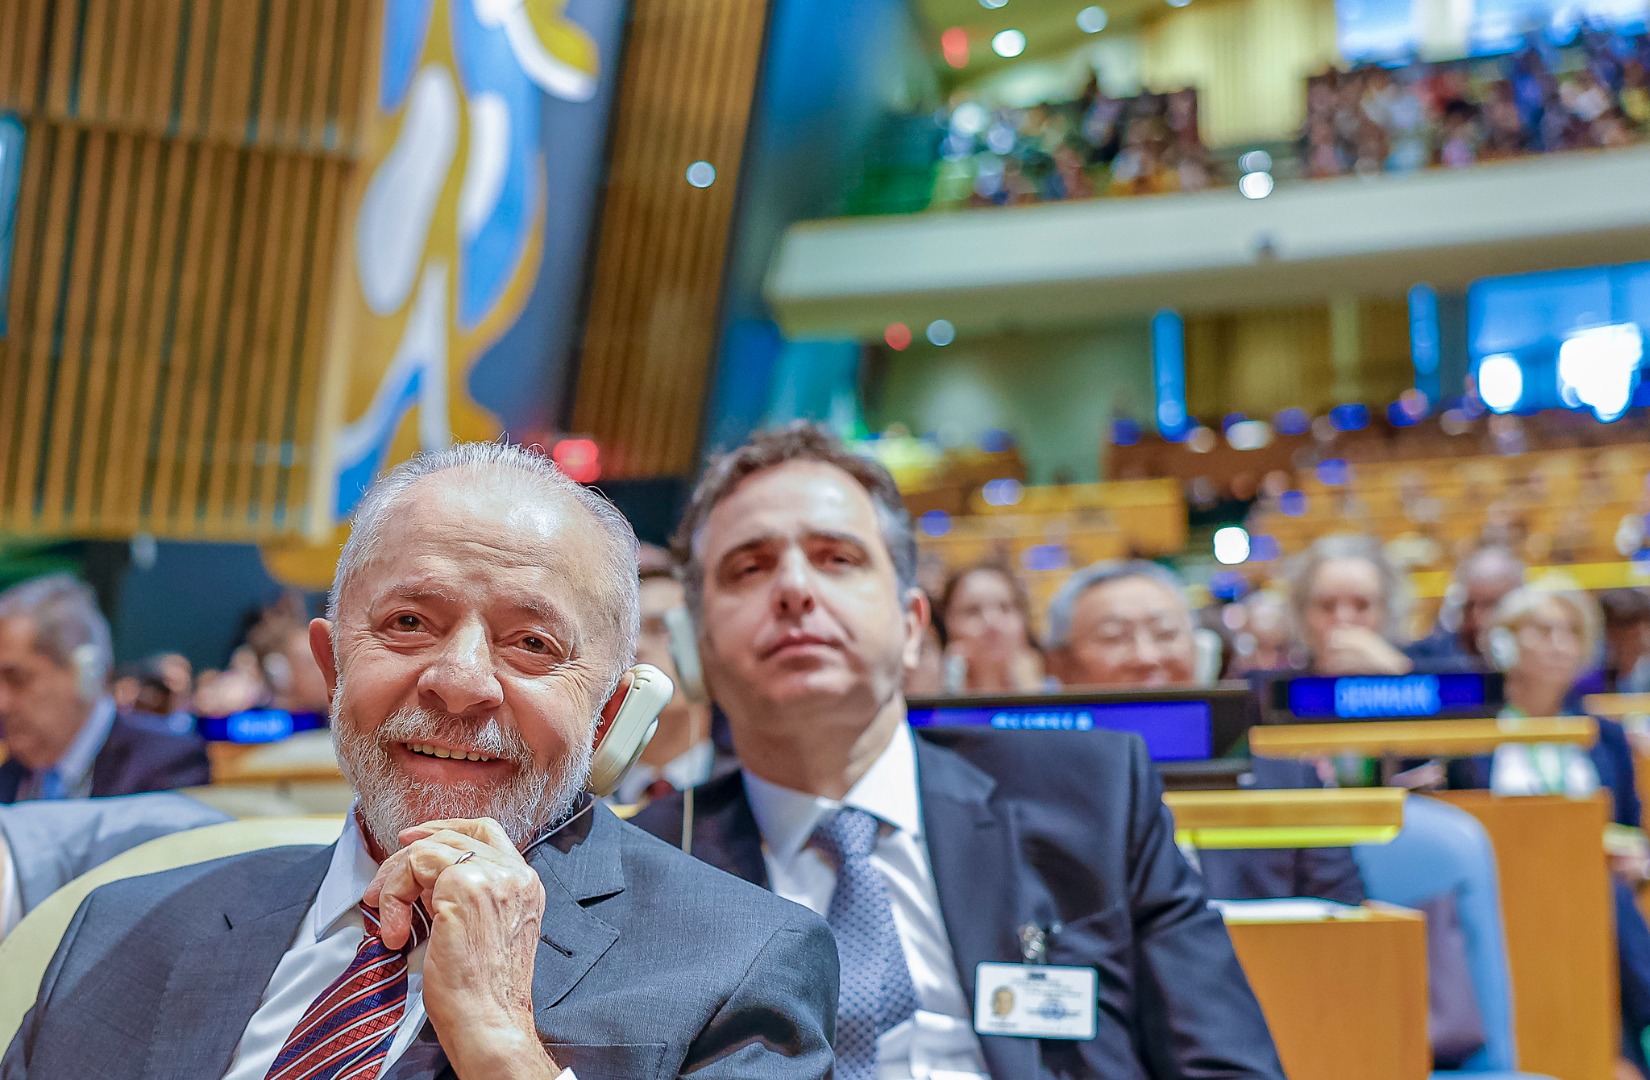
(482, 618)
(295, 681)
(1121, 624)
(682, 754)
(64, 738)
(1542, 635)
(46, 845)
(1482, 579)
(1350, 603)
(1126, 625)
(985, 621)
(927, 859)
(1626, 667)
(1267, 637)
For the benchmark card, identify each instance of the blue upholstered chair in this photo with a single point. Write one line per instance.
(1442, 849)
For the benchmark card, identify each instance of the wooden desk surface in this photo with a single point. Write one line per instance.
(1616, 706)
(1316, 818)
(1417, 738)
(1346, 998)
(1560, 923)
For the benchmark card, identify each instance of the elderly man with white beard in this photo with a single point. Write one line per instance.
(481, 914)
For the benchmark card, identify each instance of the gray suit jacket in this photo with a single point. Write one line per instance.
(651, 964)
(54, 842)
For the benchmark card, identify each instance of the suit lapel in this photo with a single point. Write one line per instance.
(725, 833)
(249, 923)
(972, 848)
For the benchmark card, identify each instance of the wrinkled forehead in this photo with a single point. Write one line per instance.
(795, 499)
(1132, 599)
(1347, 577)
(486, 540)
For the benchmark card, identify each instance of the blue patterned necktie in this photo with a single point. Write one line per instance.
(876, 985)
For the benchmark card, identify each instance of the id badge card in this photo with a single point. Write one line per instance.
(1036, 1001)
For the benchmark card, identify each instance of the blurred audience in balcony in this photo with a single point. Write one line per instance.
(984, 619)
(1094, 144)
(1540, 99)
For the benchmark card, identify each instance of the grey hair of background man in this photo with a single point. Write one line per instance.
(1489, 560)
(1394, 586)
(513, 464)
(1064, 603)
(798, 441)
(69, 628)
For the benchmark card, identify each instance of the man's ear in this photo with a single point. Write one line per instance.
(916, 615)
(320, 647)
(611, 708)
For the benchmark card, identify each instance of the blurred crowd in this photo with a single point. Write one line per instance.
(1540, 99)
(1092, 145)
(271, 667)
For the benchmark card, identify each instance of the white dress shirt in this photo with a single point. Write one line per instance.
(74, 768)
(688, 769)
(327, 941)
(939, 1042)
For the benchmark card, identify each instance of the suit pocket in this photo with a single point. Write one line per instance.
(1103, 941)
(611, 1061)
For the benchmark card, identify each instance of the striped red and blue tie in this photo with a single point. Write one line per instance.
(346, 1032)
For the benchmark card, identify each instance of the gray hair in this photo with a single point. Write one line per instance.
(797, 441)
(1394, 586)
(1523, 602)
(1093, 576)
(501, 459)
(69, 629)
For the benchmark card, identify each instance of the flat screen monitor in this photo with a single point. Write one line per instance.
(1315, 698)
(1177, 725)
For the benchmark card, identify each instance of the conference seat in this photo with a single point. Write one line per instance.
(28, 949)
(1444, 850)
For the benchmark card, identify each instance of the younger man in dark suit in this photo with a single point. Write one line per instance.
(63, 736)
(943, 869)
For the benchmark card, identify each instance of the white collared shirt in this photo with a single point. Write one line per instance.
(327, 941)
(688, 769)
(74, 768)
(939, 1042)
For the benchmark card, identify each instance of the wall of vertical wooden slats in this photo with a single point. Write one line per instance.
(176, 229)
(690, 76)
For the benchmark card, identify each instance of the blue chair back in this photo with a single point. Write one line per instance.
(1442, 849)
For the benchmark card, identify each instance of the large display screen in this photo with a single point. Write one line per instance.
(1172, 730)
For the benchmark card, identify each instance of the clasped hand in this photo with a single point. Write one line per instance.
(486, 906)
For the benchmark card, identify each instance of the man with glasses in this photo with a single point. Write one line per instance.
(1126, 626)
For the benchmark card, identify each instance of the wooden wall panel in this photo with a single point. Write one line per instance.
(690, 77)
(177, 226)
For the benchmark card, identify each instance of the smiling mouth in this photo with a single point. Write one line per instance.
(427, 750)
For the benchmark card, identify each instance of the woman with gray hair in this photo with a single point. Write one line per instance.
(1351, 603)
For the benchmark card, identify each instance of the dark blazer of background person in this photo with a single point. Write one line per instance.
(1056, 828)
(649, 966)
(137, 756)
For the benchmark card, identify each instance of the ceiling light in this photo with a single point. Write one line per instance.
(1008, 43)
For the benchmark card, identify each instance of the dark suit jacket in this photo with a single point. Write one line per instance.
(650, 965)
(1046, 828)
(135, 758)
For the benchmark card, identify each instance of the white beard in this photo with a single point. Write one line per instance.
(533, 801)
